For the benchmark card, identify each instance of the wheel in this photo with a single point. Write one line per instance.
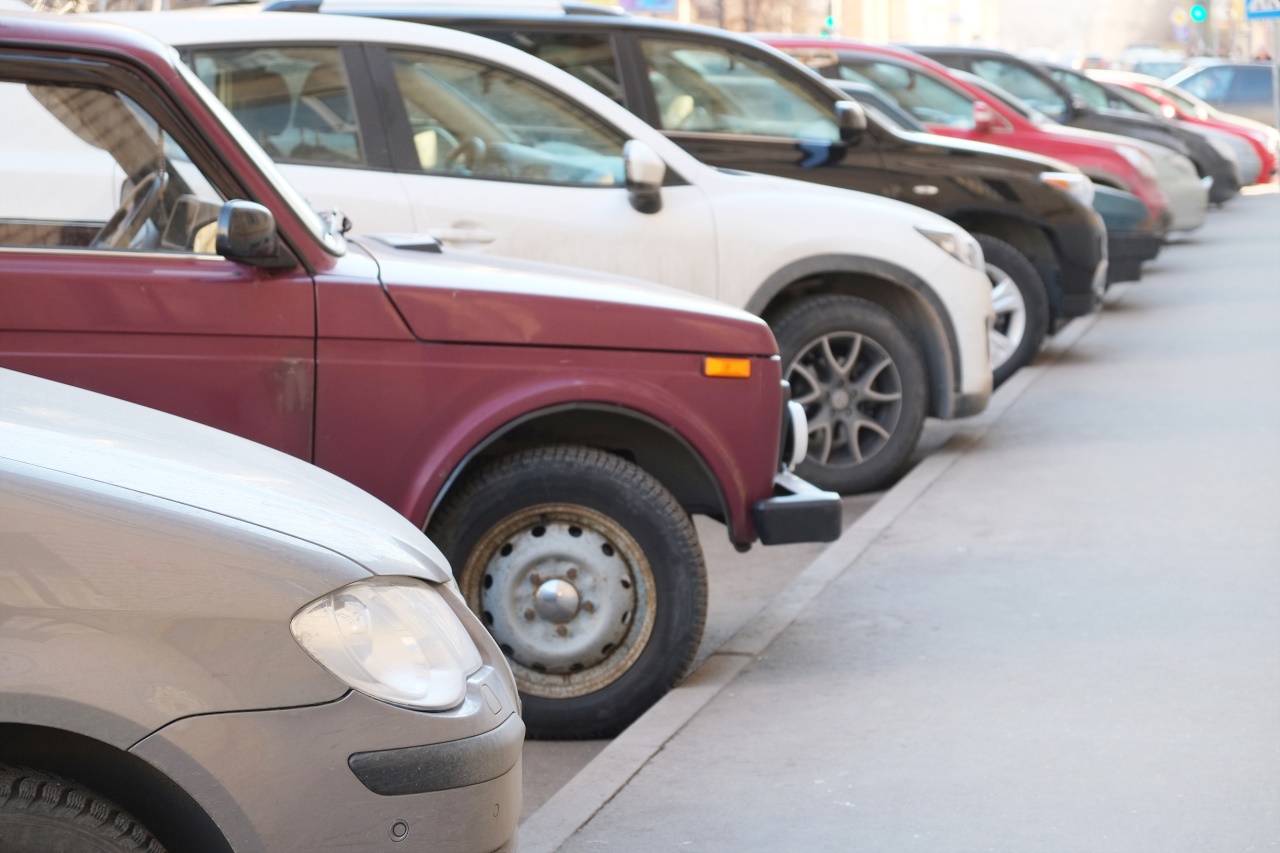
(1022, 307)
(588, 574)
(135, 209)
(40, 813)
(861, 380)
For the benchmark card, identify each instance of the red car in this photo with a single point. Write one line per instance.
(552, 432)
(1184, 106)
(954, 107)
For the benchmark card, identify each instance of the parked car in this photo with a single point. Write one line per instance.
(553, 431)
(1240, 88)
(1212, 156)
(880, 309)
(1130, 239)
(209, 645)
(1035, 86)
(1180, 104)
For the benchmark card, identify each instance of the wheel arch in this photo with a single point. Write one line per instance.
(163, 806)
(1029, 237)
(890, 286)
(631, 434)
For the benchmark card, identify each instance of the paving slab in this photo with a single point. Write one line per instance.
(1060, 633)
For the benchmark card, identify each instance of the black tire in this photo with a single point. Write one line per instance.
(1022, 307)
(619, 564)
(881, 406)
(40, 813)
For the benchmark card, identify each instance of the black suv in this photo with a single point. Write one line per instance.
(736, 103)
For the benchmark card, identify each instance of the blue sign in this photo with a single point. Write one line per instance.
(659, 7)
(1257, 10)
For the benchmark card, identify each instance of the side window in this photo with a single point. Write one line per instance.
(590, 57)
(1093, 94)
(1210, 84)
(88, 168)
(1023, 85)
(925, 98)
(294, 101)
(476, 120)
(714, 90)
(1252, 85)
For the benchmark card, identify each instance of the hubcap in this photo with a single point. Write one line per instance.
(568, 595)
(852, 395)
(1011, 316)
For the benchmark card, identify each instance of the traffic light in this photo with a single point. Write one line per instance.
(1199, 13)
(829, 28)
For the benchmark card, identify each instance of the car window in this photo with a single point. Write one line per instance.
(473, 119)
(88, 168)
(1251, 85)
(1092, 93)
(1023, 85)
(1143, 102)
(1211, 84)
(590, 57)
(925, 98)
(294, 101)
(709, 89)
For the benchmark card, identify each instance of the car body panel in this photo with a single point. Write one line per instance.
(1239, 88)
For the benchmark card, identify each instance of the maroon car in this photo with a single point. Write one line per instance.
(552, 431)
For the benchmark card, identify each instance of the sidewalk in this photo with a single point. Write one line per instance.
(1060, 633)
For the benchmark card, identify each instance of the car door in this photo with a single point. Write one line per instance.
(119, 289)
(1250, 94)
(312, 108)
(493, 159)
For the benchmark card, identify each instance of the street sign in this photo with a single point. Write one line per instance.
(1258, 10)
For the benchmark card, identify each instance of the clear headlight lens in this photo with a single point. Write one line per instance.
(1139, 160)
(959, 245)
(1074, 184)
(392, 638)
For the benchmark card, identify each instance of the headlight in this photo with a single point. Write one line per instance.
(1139, 160)
(1074, 184)
(959, 245)
(393, 638)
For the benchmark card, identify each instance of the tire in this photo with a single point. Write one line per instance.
(861, 380)
(1022, 307)
(40, 813)
(588, 574)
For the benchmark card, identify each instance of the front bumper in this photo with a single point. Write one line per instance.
(1129, 250)
(798, 512)
(356, 774)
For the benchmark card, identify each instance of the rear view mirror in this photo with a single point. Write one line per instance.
(645, 172)
(247, 233)
(984, 118)
(851, 118)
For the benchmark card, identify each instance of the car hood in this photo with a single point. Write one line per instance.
(100, 438)
(464, 297)
(1010, 158)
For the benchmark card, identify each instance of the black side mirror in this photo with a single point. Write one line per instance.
(1079, 107)
(851, 118)
(247, 233)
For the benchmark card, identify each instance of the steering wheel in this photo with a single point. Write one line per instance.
(135, 209)
(470, 151)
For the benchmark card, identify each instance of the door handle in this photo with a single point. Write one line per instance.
(464, 234)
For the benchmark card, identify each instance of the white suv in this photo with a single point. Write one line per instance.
(881, 310)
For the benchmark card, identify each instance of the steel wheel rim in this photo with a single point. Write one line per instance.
(851, 392)
(1010, 325)
(572, 611)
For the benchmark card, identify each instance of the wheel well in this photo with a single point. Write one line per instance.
(153, 798)
(626, 433)
(1029, 239)
(908, 307)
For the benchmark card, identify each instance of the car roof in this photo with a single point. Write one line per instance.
(78, 33)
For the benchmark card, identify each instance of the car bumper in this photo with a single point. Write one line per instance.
(798, 512)
(1129, 250)
(356, 774)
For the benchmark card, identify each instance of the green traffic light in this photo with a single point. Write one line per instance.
(1199, 13)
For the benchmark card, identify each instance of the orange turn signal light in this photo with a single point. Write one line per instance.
(731, 368)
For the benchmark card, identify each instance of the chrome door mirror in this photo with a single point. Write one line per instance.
(247, 233)
(851, 118)
(645, 172)
(984, 118)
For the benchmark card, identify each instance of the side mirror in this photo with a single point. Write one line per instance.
(1079, 107)
(851, 118)
(645, 172)
(984, 118)
(247, 233)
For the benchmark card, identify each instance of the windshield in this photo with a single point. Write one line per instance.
(1185, 101)
(1029, 88)
(921, 96)
(329, 237)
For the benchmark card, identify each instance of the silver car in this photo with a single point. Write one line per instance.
(207, 645)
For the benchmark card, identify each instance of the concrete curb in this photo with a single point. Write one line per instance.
(608, 773)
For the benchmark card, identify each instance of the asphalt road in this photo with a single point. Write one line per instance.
(1060, 633)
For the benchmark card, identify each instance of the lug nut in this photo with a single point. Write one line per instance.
(589, 606)
(562, 631)
(572, 573)
(529, 614)
(535, 579)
